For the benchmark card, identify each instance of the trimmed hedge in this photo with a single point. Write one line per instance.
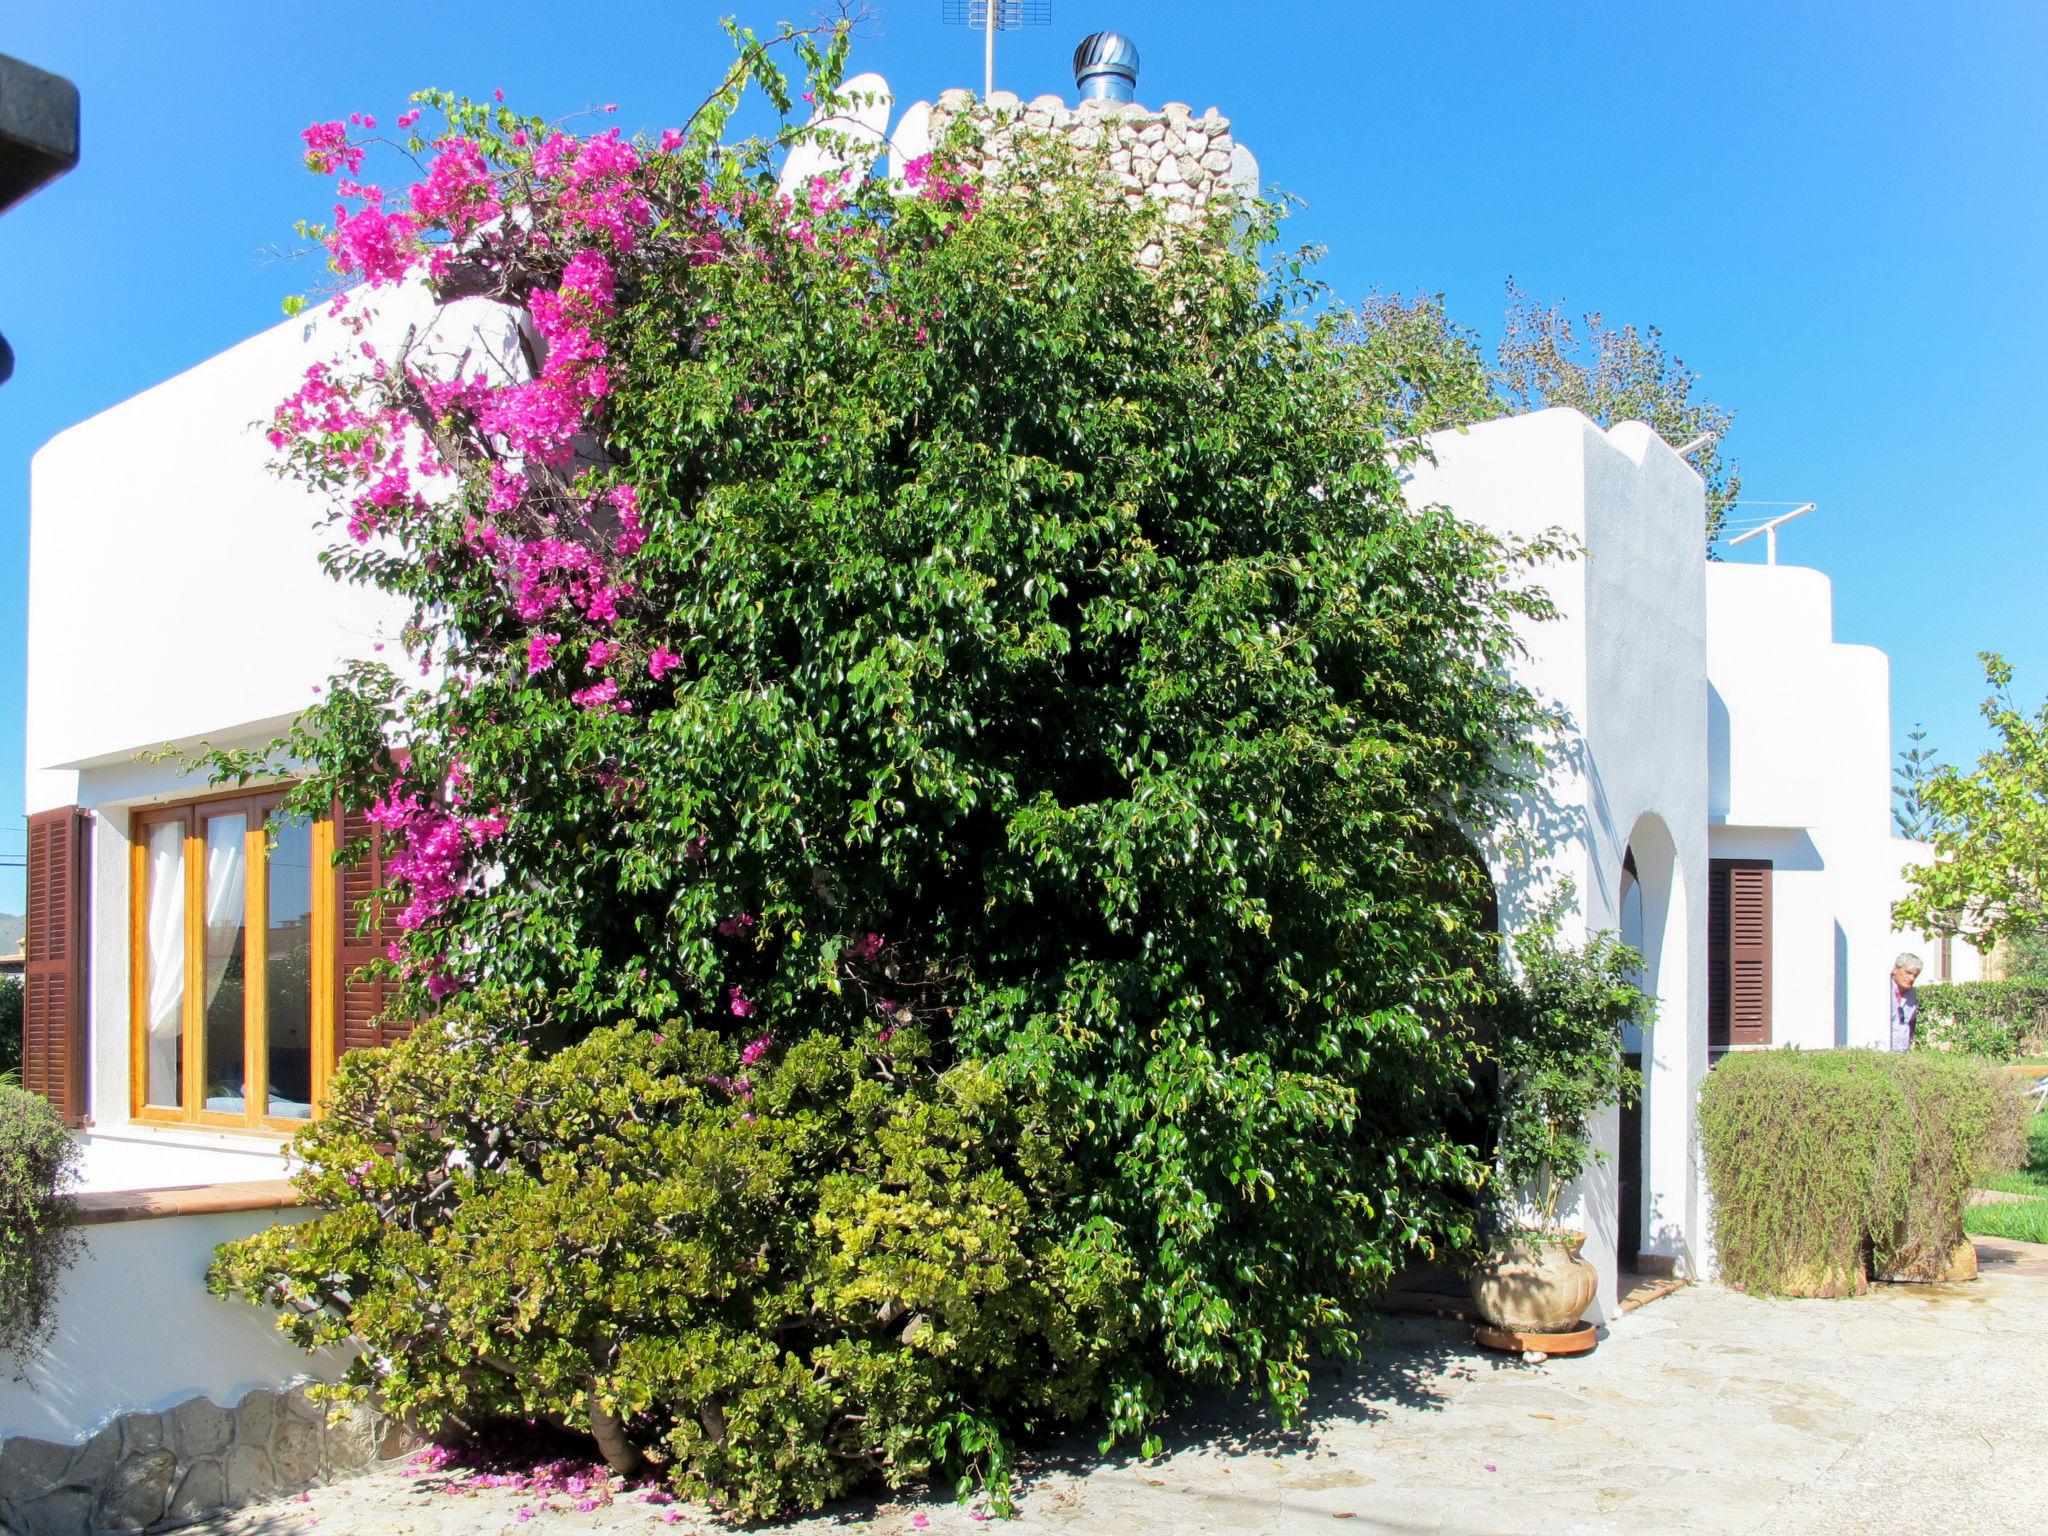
(2000, 1019)
(38, 1160)
(1827, 1167)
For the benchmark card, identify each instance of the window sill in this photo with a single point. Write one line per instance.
(206, 1137)
(189, 1200)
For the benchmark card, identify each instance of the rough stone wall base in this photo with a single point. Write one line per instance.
(158, 1471)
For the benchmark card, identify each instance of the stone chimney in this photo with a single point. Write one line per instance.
(1166, 153)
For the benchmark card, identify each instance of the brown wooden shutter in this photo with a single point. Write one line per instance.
(53, 995)
(361, 1001)
(1738, 953)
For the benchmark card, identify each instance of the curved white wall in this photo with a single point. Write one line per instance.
(1801, 753)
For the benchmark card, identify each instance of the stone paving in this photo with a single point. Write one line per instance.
(1912, 1408)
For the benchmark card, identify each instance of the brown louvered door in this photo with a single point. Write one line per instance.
(53, 1000)
(1738, 953)
(361, 1000)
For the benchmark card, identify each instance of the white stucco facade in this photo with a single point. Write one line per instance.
(1801, 775)
(1711, 716)
(1625, 663)
(177, 599)
(136, 1332)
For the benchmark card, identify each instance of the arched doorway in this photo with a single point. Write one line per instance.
(1648, 907)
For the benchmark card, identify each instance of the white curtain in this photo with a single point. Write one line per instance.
(166, 954)
(225, 873)
(226, 869)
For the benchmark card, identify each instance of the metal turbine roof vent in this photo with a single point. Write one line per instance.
(1106, 67)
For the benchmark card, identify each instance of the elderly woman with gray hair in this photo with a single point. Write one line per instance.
(1905, 1000)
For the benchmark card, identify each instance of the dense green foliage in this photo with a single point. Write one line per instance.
(10, 1025)
(2003, 1020)
(1828, 1166)
(2024, 1219)
(781, 1288)
(38, 1160)
(1442, 377)
(1029, 651)
(1556, 1058)
(1989, 879)
(2023, 956)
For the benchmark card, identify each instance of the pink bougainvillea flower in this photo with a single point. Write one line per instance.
(328, 149)
(458, 192)
(662, 662)
(743, 1007)
(732, 927)
(756, 1049)
(866, 947)
(696, 847)
(540, 652)
(632, 533)
(381, 246)
(604, 695)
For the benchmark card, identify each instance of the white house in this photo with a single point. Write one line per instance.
(1719, 795)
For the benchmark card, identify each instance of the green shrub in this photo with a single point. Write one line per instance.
(1556, 1050)
(782, 1278)
(10, 1027)
(38, 1163)
(1029, 642)
(2000, 1019)
(1827, 1166)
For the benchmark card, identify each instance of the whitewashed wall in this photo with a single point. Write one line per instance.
(1626, 661)
(176, 597)
(1801, 775)
(137, 1333)
(175, 591)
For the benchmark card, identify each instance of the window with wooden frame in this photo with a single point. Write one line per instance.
(232, 952)
(1739, 980)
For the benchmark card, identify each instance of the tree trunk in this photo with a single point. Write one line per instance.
(620, 1454)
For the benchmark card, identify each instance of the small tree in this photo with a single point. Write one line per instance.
(1435, 376)
(1430, 373)
(1989, 877)
(1911, 814)
(1557, 1057)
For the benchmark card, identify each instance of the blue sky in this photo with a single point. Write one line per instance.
(1835, 214)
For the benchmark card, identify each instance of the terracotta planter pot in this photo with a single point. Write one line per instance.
(1535, 1283)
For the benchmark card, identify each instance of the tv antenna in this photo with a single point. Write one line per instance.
(1770, 532)
(988, 17)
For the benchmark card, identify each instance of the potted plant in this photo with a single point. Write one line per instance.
(1556, 1057)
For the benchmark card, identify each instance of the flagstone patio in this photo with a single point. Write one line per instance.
(1912, 1408)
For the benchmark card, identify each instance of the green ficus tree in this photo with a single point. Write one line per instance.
(891, 613)
(1556, 1058)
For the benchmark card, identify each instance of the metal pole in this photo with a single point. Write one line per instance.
(988, 51)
